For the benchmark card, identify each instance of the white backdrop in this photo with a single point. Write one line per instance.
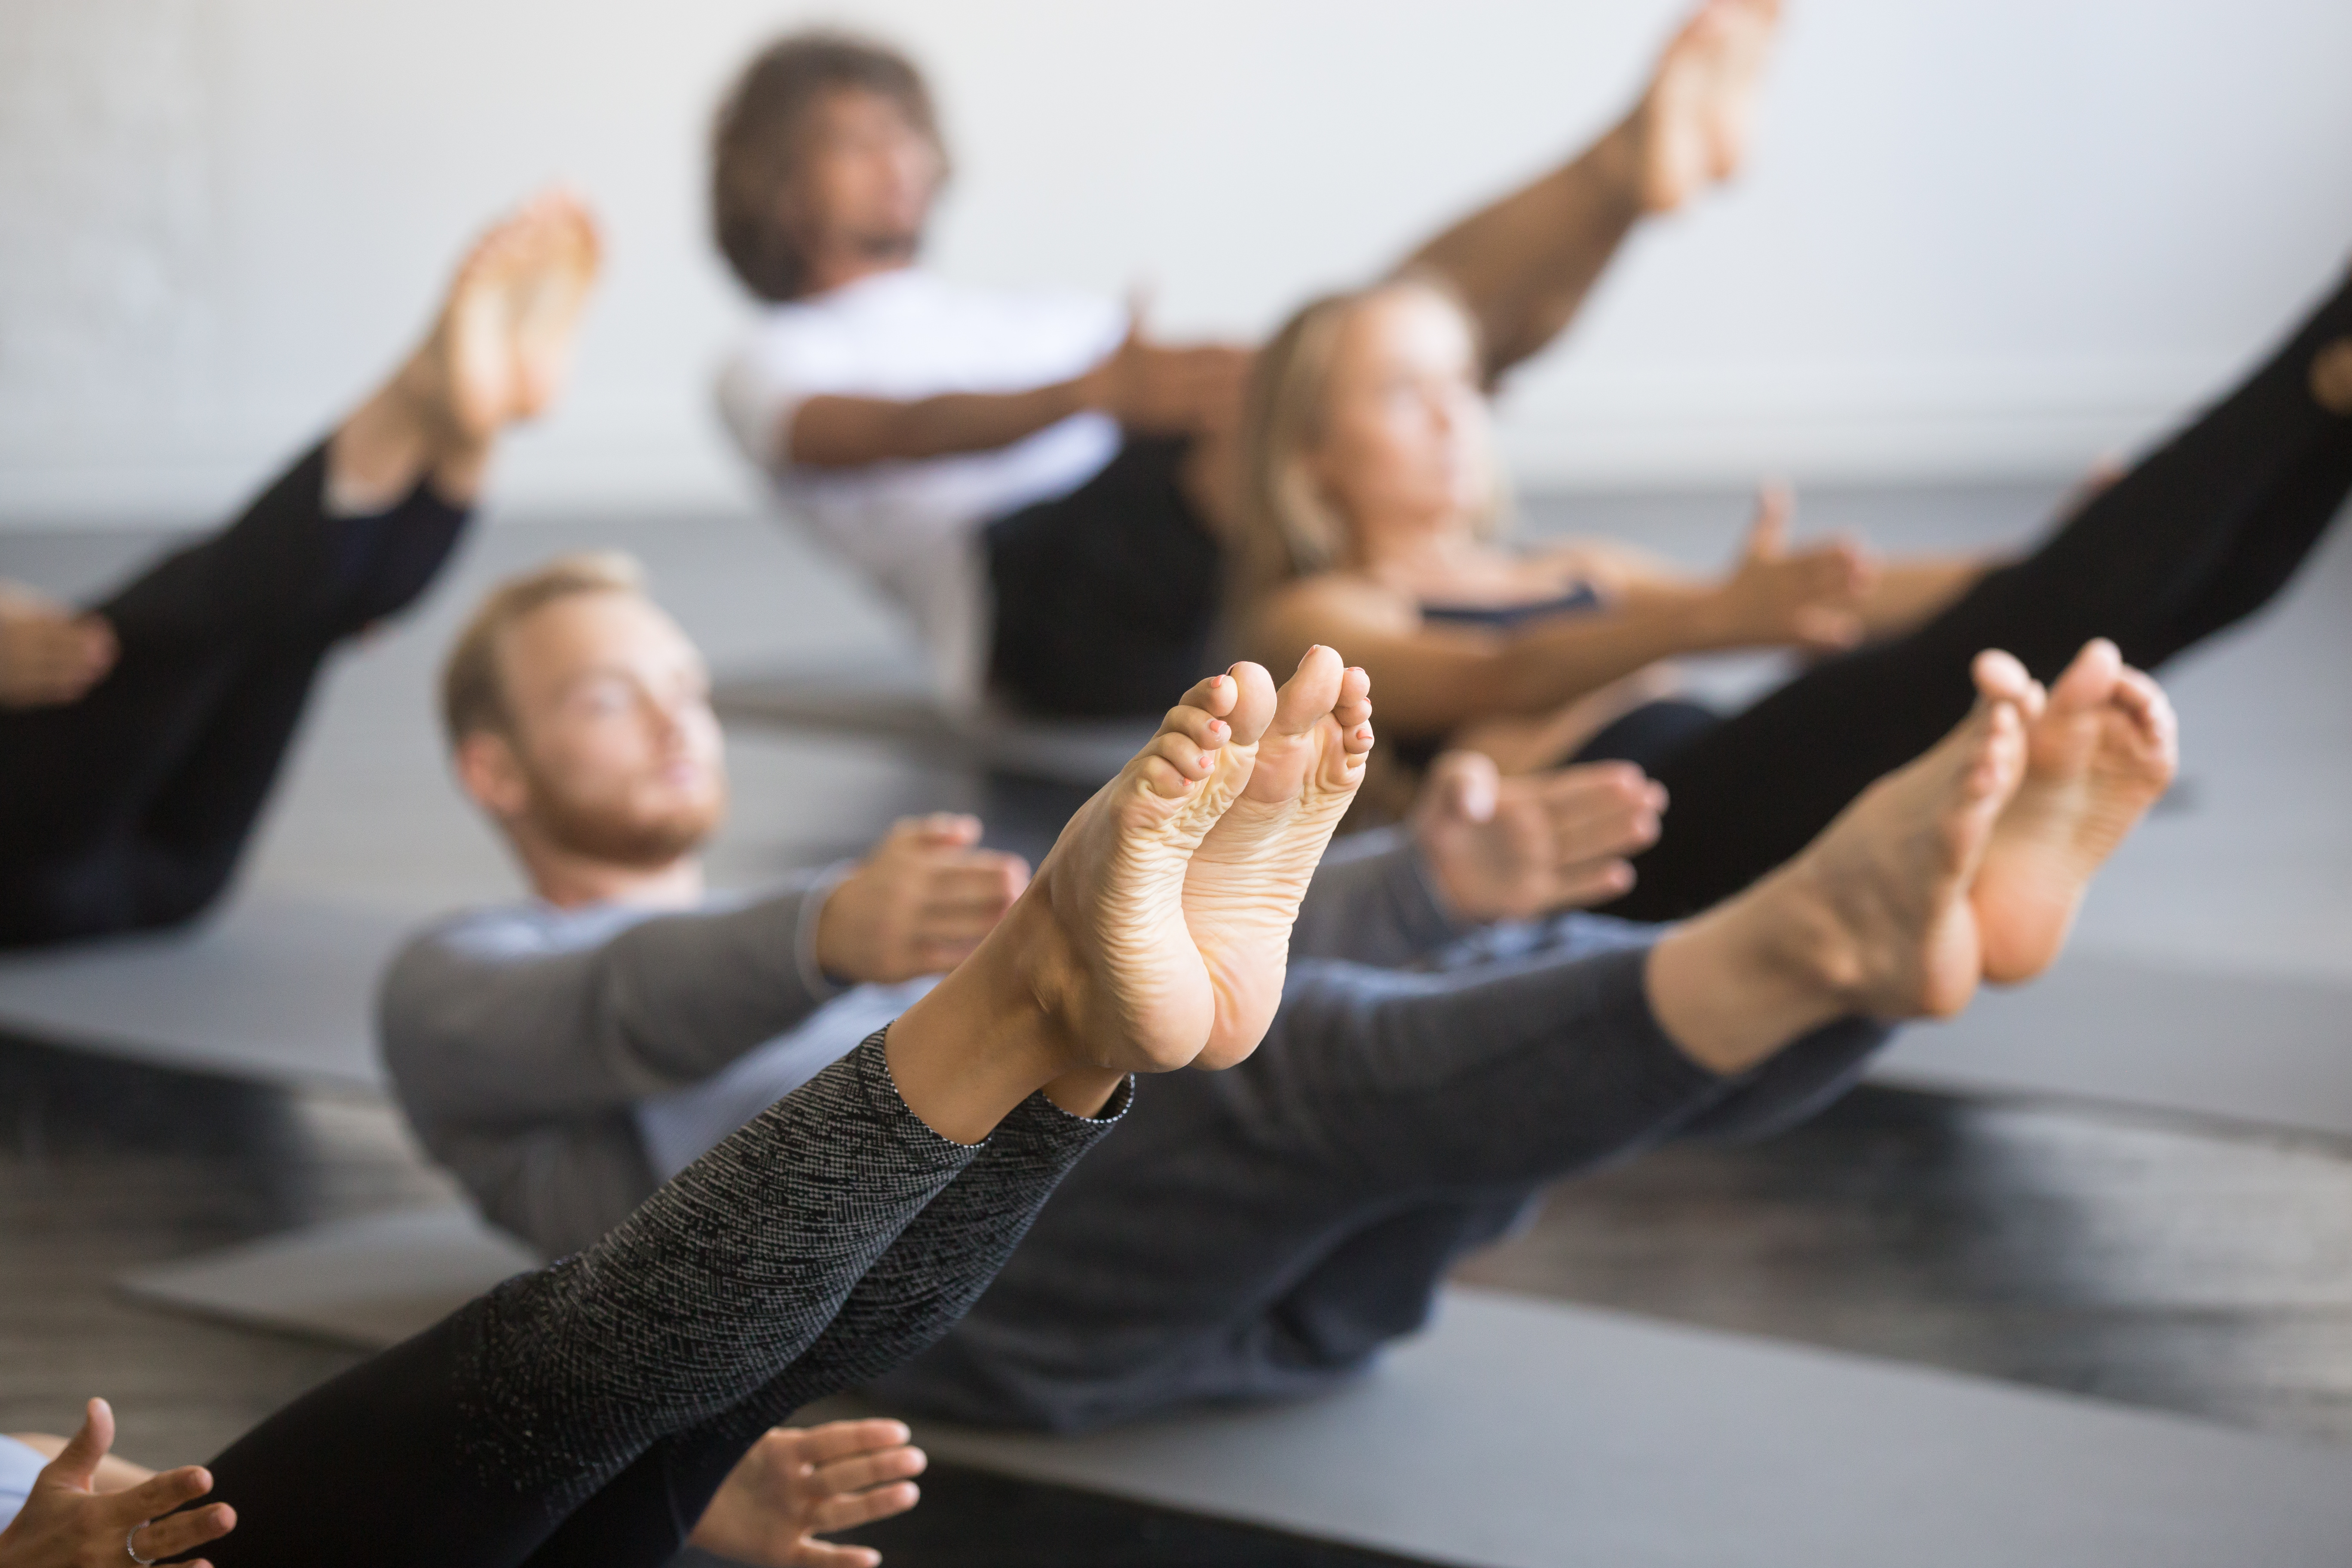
(1980, 236)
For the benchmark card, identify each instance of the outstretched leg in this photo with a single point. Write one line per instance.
(129, 804)
(1524, 263)
(1263, 1231)
(2200, 533)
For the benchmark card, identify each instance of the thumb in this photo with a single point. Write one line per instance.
(1768, 536)
(1139, 307)
(75, 1465)
(1467, 784)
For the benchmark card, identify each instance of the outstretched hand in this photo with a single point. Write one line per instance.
(1155, 388)
(1777, 596)
(66, 1522)
(49, 654)
(1514, 848)
(797, 1483)
(918, 904)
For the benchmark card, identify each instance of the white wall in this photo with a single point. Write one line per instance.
(1981, 236)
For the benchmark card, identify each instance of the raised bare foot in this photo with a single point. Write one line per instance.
(1513, 848)
(49, 654)
(503, 340)
(2331, 377)
(1691, 129)
(1880, 901)
(2103, 749)
(1243, 889)
(1168, 899)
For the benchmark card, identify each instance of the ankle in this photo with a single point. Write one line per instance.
(1735, 985)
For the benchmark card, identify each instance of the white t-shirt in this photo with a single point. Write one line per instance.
(19, 1467)
(913, 525)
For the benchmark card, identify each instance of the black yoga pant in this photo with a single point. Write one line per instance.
(585, 1413)
(130, 807)
(1104, 598)
(2200, 534)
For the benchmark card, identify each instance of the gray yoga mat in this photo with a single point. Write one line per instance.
(1085, 752)
(369, 1282)
(276, 987)
(1520, 1433)
(2269, 1049)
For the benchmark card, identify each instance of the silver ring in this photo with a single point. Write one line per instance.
(132, 1551)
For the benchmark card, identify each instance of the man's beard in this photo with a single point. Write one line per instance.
(641, 844)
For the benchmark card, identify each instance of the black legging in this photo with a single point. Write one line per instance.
(129, 808)
(2200, 534)
(586, 1412)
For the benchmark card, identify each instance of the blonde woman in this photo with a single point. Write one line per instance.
(1371, 496)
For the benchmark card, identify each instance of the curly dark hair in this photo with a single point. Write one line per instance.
(754, 142)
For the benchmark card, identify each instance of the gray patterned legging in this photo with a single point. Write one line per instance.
(587, 1412)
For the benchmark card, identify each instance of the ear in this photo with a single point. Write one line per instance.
(493, 774)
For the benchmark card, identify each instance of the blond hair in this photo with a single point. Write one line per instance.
(1290, 526)
(473, 687)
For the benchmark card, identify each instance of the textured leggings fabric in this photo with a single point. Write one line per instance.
(130, 807)
(2203, 533)
(791, 1257)
(1265, 1230)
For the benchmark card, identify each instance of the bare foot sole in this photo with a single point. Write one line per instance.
(2102, 751)
(503, 341)
(1242, 890)
(1142, 971)
(2331, 377)
(1693, 125)
(1882, 896)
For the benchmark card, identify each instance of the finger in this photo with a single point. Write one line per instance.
(1587, 783)
(854, 1509)
(946, 829)
(77, 1463)
(1819, 626)
(1590, 836)
(839, 1440)
(1593, 882)
(159, 1495)
(1466, 786)
(184, 1531)
(1768, 534)
(860, 1471)
(825, 1555)
(972, 882)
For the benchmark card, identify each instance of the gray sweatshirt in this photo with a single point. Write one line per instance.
(564, 1063)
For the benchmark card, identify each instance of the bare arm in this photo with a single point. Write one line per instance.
(834, 431)
(1147, 386)
(1434, 679)
(1526, 263)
